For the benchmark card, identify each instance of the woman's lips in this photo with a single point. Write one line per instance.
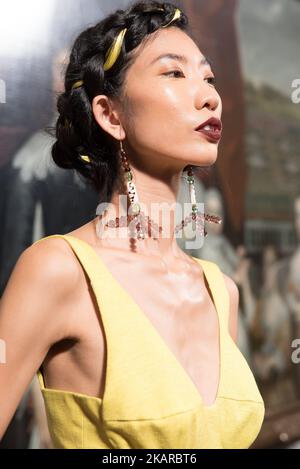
(213, 134)
(211, 128)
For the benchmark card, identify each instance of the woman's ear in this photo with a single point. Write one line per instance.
(107, 116)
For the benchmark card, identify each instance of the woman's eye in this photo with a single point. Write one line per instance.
(174, 71)
(211, 80)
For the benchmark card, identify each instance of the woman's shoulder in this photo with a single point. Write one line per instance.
(40, 294)
(50, 261)
(230, 284)
(233, 292)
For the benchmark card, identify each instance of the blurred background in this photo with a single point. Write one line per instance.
(254, 184)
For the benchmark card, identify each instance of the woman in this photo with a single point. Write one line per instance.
(132, 339)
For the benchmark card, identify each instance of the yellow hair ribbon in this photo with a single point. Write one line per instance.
(114, 50)
(175, 17)
(85, 158)
(77, 84)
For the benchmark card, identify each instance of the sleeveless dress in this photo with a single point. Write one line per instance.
(149, 399)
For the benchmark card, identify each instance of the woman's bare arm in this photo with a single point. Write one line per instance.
(33, 316)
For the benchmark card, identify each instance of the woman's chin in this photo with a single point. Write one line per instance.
(207, 159)
(207, 156)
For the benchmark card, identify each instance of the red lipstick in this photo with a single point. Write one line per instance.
(212, 128)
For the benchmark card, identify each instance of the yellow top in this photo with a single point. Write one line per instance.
(149, 399)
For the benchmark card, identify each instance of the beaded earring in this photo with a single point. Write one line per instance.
(196, 217)
(141, 224)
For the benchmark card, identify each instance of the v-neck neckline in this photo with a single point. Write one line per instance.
(158, 335)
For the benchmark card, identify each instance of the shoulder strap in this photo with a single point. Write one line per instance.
(218, 289)
(98, 275)
(84, 253)
(40, 378)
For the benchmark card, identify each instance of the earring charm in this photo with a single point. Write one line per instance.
(196, 217)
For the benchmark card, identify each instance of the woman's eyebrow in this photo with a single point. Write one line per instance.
(180, 58)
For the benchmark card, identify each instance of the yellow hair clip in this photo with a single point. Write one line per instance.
(114, 50)
(175, 17)
(85, 158)
(77, 84)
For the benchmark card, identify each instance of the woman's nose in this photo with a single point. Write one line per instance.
(210, 99)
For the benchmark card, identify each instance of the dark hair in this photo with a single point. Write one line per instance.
(76, 131)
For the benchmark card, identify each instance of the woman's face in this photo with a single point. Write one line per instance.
(167, 98)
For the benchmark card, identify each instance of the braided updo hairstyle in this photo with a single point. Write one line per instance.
(76, 130)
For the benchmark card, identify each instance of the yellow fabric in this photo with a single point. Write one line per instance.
(149, 399)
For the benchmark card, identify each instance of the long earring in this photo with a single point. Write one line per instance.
(195, 216)
(139, 223)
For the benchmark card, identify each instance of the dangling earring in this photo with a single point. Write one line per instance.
(195, 216)
(140, 224)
